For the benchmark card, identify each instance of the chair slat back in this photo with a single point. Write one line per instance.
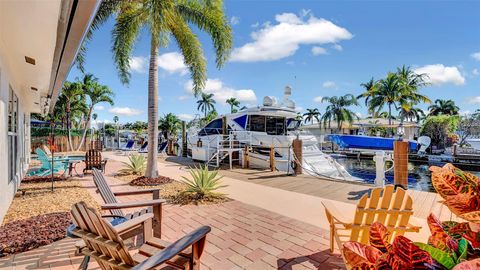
(105, 191)
(388, 206)
(43, 158)
(93, 159)
(103, 242)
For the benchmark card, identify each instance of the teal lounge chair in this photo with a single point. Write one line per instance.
(46, 164)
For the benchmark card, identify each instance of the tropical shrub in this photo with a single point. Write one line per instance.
(203, 183)
(439, 128)
(401, 254)
(460, 190)
(136, 165)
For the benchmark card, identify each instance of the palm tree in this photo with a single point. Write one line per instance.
(233, 102)
(169, 125)
(165, 19)
(412, 114)
(338, 110)
(206, 103)
(369, 87)
(386, 92)
(311, 114)
(74, 101)
(442, 106)
(97, 93)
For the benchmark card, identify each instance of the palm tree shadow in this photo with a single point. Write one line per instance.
(356, 195)
(320, 260)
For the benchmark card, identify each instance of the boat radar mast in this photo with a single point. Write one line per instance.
(286, 101)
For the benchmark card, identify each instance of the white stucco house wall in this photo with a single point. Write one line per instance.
(38, 44)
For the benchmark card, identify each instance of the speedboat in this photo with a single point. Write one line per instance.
(263, 132)
(367, 142)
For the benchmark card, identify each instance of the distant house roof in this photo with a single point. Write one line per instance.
(367, 122)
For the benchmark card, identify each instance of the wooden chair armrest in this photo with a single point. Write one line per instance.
(131, 223)
(136, 192)
(174, 249)
(336, 214)
(134, 204)
(413, 228)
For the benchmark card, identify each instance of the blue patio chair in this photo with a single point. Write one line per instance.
(162, 147)
(46, 164)
(128, 146)
(143, 148)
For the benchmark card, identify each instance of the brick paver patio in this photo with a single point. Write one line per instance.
(242, 237)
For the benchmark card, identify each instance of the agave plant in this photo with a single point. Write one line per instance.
(136, 165)
(401, 254)
(460, 190)
(203, 183)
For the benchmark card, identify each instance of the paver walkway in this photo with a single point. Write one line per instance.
(243, 237)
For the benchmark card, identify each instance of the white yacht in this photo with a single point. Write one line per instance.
(263, 131)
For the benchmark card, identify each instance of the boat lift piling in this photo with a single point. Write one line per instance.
(400, 159)
(297, 145)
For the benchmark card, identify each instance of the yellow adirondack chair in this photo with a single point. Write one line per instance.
(388, 206)
(104, 244)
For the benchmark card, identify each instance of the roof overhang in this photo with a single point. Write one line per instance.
(50, 33)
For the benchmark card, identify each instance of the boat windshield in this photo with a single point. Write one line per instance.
(272, 125)
(293, 124)
(213, 128)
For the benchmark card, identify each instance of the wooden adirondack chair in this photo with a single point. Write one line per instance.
(104, 244)
(93, 159)
(388, 206)
(114, 206)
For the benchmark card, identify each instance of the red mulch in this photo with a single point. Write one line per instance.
(143, 181)
(22, 235)
(42, 179)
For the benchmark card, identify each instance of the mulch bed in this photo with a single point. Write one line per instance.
(22, 235)
(144, 181)
(42, 179)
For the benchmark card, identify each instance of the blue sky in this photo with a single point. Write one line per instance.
(319, 48)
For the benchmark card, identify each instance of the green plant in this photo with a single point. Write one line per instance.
(401, 254)
(203, 183)
(136, 165)
(438, 128)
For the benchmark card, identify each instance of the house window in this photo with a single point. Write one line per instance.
(12, 134)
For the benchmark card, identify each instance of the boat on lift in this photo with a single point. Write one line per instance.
(262, 132)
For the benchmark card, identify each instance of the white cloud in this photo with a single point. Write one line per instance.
(474, 100)
(160, 98)
(476, 56)
(358, 114)
(466, 112)
(439, 74)
(184, 97)
(185, 116)
(318, 50)
(125, 111)
(172, 62)
(329, 84)
(475, 72)
(99, 108)
(299, 109)
(317, 99)
(283, 39)
(222, 92)
(337, 47)
(234, 20)
(255, 25)
(138, 64)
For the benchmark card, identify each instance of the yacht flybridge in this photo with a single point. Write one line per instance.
(263, 133)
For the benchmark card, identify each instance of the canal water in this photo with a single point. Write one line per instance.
(419, 177)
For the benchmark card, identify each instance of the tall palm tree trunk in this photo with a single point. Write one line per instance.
(390, 117)
(69, 127)
(152, 170)
(87, 125)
